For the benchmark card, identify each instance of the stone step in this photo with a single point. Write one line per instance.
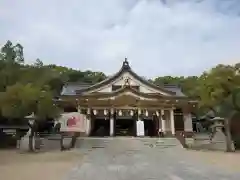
(92, 143)
(165, 141)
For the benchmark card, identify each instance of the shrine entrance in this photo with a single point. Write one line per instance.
(101, 127)
(149, 127)
(125, 127)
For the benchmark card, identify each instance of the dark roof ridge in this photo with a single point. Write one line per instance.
(78, 83)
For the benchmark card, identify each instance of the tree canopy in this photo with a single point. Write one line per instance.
(27, 88)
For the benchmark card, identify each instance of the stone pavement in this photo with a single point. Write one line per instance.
(143, 159)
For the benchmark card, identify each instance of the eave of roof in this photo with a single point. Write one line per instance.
(132, 90)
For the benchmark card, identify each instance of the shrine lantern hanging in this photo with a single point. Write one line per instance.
(112, 111)
(105, 112)
(131, 113)
(88, 111)
(120, 113)
(95, 112)
(146, 113)
(162, 114)
(139, 112)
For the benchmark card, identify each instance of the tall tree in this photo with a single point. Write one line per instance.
(12, 53)
(217, 85)
(11, 56)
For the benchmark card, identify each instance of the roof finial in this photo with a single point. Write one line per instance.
(125, 63)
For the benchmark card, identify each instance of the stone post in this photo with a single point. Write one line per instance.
(188, 122)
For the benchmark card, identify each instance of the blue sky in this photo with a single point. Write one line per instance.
(159, 37)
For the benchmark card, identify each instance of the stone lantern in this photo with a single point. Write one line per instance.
(219, 134)
(218, 122)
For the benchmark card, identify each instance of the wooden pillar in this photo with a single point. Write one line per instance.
(135, 118)
(163, 121)
(159, 120)
(88, 122)
(112, 122)
(156, 124)
(172, 121)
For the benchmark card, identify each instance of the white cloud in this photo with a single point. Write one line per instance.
(179, 37)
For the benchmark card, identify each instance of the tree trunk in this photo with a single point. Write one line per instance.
(61, 143)
(228, 135)
(74, 140)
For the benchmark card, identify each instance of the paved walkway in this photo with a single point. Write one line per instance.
(144, 159)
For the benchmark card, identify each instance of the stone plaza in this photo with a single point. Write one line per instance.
(147, 158)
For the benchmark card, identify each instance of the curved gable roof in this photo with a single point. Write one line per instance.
(129, 89)
(126, 68)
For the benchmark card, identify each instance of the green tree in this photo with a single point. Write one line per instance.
(12, 53)
(11, 57)
(217, 85)
(38, 63)
(20, 100)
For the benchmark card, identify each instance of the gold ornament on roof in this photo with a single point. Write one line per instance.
(127, 81)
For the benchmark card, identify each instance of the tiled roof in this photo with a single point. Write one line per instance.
(70, 88)
(174, 88)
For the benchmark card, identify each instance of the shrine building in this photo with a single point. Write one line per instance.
(114, 106)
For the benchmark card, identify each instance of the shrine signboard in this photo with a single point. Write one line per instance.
(72, 122)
